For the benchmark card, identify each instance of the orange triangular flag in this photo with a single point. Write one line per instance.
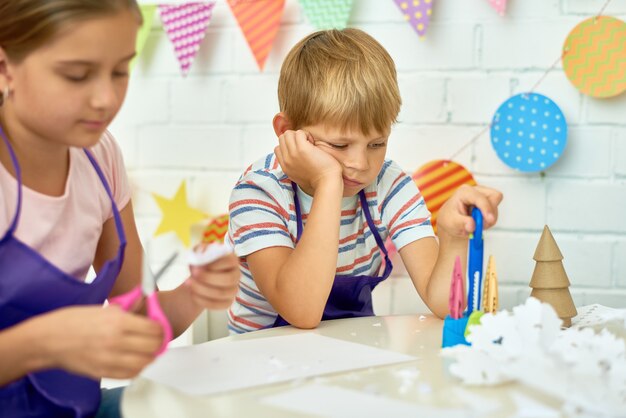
(259, 21)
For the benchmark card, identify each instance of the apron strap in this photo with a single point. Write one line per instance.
(296, 203)
(116, 213)
(18, 176)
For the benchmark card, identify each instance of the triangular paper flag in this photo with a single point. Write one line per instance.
(417, 13)
(147, 13)
(499, 5)
(327, 14)
(259, 21)
(178, 216)
(185, 26)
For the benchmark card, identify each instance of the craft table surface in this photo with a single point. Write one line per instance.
(416, 335)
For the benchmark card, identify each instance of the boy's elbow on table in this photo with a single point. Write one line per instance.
(304, 320)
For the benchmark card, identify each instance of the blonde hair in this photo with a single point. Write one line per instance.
(27, 24)
(343, 78)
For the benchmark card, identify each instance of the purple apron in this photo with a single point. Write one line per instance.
(350, 296)
(30, 286)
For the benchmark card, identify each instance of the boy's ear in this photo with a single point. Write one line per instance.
(281, 124)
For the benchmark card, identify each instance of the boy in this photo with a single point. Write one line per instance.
(310, 220)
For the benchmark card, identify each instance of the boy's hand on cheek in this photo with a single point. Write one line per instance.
(455, 215)
(304, 162)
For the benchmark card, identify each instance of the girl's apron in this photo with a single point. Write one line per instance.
(31, 286)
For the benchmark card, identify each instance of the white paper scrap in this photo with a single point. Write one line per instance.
(223, 365)
(584, 369)
(209, 253)
(335, 402)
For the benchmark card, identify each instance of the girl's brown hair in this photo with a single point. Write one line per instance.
(25, 25)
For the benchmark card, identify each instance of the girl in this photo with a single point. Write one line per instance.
(65, 205)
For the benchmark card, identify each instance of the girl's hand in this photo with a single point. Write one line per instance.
(304, 163)
(215, 285)
(99, 342)
(455, 215)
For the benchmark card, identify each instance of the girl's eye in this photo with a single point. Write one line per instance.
(339, 146)
(123, 72)
(76, 78)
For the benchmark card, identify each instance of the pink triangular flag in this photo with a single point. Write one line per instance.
(185, 26)
(417, 13)
(499, 5)
(259, 21)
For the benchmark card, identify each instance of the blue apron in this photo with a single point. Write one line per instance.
(30, 286)
(350, 296)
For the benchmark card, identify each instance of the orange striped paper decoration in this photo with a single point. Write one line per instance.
(437, 181)
(216, 230)
(259, 21)
(594, 57)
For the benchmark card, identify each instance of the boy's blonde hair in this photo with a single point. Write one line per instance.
(342, 78)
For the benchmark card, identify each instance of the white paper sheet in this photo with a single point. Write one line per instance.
(219, 366)
(334, 401)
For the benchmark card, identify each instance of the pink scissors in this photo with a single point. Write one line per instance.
(148, 289)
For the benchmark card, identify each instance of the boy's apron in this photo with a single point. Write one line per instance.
(350, 296)
(31, 286)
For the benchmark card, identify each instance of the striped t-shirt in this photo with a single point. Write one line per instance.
(262, 215)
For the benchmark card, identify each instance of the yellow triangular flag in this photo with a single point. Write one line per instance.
(178, 216)
(147, 13)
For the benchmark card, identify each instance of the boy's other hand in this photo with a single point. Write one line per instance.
(304, 162)
(455, 215)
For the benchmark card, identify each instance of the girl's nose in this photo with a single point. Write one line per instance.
(104, 95)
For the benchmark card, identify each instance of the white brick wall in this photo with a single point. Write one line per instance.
(208, 127)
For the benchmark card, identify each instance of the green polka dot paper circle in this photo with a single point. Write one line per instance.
(529, 132)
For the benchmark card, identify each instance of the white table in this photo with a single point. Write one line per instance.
(416, 335)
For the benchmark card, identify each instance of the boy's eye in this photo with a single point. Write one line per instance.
(120, 74)
(379, 145)
(339, 146)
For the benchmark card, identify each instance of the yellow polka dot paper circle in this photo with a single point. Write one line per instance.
(594, 56)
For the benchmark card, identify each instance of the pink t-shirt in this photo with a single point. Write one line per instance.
(66, 229)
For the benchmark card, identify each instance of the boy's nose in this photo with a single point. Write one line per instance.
(358, 161)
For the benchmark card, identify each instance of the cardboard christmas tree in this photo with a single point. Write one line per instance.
(549, 281)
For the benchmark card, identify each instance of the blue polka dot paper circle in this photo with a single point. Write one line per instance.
(529, 132)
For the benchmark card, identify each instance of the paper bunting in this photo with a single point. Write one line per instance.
(594, 56)
(417, 13)
(259, 21)
(147, 14)
(185, 26)
(216, 230)
(499, 5)
(178, 216)
(528, 132)
(327, 14)
(437, 181)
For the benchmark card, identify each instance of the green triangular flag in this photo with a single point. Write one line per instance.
(327, 14)
(147, 12)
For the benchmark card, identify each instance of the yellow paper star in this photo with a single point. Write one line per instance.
(178, 216)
